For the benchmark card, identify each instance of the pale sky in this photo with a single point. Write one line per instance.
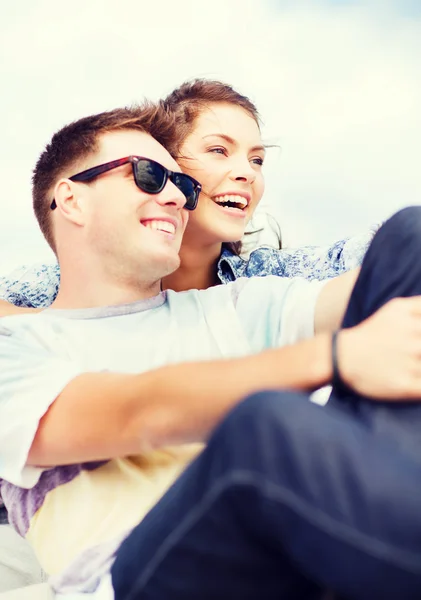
(338, 84)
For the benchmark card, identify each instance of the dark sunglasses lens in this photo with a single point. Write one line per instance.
(188, 188)
(149, 176)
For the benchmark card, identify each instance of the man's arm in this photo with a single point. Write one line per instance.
(105, 415)
(333, 301)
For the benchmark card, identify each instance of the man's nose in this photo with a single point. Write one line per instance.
(171, 195)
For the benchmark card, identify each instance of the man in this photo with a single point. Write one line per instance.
(95, 430)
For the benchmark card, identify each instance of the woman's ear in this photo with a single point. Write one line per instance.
(69, 201)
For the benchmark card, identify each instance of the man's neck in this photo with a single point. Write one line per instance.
(198, 269)
(78, 289)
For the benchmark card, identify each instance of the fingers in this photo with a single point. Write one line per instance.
(382, 359)
(412, 304)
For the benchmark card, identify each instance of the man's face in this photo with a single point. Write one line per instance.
(132, 233)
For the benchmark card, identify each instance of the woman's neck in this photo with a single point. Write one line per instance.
(198, 269)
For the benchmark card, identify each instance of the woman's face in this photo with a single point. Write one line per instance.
(225, 153)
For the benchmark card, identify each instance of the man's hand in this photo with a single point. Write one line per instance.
(381, 357)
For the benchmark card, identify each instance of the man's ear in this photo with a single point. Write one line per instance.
(69, 201)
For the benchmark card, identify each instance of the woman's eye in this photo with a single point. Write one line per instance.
(257, 161)
(218, 150)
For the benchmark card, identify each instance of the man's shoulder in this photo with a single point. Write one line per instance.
(13, 324)
(216, 292)
(28, 334)
(22, 339)
(230, 291)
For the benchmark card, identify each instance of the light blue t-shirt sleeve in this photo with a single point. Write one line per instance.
(276, 311)
(34, 286)
(31, 378)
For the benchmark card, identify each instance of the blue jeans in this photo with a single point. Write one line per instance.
(292, 500)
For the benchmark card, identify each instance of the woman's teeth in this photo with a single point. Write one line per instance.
(160, 226)
(231, 200)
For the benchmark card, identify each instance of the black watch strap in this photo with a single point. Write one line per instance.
(338, 383)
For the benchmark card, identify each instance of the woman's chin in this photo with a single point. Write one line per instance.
(230, 234)
(224, 233)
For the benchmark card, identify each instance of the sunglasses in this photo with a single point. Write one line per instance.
(149, 176)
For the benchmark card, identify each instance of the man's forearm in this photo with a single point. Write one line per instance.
(105, 415)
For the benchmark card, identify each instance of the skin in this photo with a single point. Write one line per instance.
(103, 228)
(226, 154)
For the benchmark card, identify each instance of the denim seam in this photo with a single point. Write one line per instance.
(405, 560)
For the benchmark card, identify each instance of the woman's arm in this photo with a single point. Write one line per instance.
(28, 288)
(324, 262)
(7, 309)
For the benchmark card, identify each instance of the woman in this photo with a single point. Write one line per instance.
(220, 145)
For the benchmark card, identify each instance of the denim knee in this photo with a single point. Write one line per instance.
(258, 408)
(406, 221)
(257, 418)
(391, 267)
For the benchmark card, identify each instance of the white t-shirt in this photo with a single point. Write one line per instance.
(41, 353)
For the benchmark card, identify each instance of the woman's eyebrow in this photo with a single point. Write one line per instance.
(230, 140)
(225, 137)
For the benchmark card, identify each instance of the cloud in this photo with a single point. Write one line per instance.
(338, 86)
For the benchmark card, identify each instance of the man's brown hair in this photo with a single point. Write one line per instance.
(187, 101)
(74, 142)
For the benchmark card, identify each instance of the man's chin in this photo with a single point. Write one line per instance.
(169, 264)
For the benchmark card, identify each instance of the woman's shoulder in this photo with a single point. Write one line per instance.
(33, 286)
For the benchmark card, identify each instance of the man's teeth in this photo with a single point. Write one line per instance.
(239, 201)
(161, 226)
